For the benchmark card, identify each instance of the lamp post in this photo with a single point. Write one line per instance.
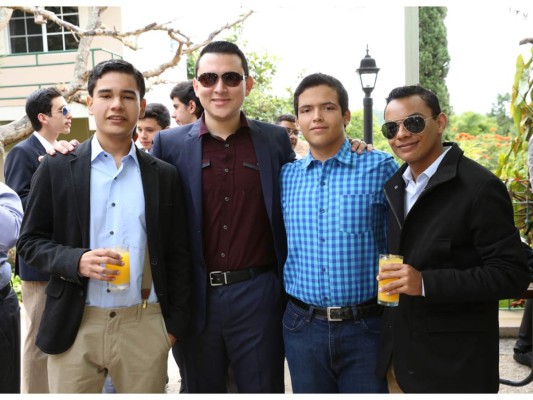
(368, 72)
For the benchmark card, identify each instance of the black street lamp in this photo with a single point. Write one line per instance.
(368, 72)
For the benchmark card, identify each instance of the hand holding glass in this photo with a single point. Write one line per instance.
(122, 281)
(383, 299)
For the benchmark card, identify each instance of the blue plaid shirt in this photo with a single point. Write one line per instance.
(336, 220)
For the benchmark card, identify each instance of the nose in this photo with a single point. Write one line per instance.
(219, 86)
(402, 132)
(117, 102)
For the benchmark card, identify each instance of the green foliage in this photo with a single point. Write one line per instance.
(473, 123)
(433, 53)
(500, 111)
(17, 284)
(512, 167)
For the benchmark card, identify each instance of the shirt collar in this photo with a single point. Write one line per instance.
(96, 150)
(343, 156)
(46, 144)
(429, 171)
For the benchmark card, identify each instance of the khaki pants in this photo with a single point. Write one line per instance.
(34, 372)
(131, 343)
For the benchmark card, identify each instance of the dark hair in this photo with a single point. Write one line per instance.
(185, 93)
(285, 117)
(322, 79)
(427, 95)
(158, 112)
(224, 48)
(115, 65)
(40, 102)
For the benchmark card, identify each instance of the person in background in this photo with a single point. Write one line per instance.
(452, 221)
(108, 193)
(187, 106)
(335, 215)
(156, 118)
(10, 221)
(289, 122)
(50, 117)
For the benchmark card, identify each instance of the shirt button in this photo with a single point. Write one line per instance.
(322, 183)
(322, 240)
(111, 233)
(322, 211)
(226, 198)
(222, 255)
(226, 145)
(226, 170)
(112, 204)
(225, 227)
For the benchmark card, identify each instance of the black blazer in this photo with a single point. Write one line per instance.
(55, 234)
(21, 163)
(460, 234)
(182, 147)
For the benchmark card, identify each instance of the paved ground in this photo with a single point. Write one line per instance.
(509, 369)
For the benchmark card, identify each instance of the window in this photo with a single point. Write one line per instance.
(26, 36)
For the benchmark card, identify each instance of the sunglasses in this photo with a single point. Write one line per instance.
(414, 124)
(294, 132)
(65, 111)
(231, 79)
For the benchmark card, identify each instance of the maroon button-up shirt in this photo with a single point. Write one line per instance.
(237, 232)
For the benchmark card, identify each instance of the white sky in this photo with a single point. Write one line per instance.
(331, 37)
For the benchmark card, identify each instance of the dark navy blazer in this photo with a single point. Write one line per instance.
(21, 163)
(182, 147)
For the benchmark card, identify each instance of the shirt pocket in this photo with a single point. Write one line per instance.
(355, 211)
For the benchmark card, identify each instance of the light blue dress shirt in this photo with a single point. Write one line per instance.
(117, 219)
(335, 215)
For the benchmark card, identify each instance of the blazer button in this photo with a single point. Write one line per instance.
(80, 293)
(112, 314)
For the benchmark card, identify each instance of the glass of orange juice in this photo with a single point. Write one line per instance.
(383, 299)
(122, 281)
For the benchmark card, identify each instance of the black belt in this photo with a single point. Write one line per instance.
(369, 308)
(5, 291)
(220, 278)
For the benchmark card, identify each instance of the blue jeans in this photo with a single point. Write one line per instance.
(331, 357)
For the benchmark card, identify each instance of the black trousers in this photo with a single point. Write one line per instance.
(9, 343)
(523, 344)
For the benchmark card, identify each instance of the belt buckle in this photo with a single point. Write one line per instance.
(330, 318)
(217, 284)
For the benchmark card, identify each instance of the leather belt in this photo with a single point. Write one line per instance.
(220, 278)
(4, 292)
(369, 308)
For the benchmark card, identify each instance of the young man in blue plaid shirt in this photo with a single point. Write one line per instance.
(335, 214)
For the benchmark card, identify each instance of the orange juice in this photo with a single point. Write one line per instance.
(383, 299)
(122, 281)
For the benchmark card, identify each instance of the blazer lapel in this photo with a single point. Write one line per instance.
(264, 157)
(193, 148)
(150, 179)
(80, 180)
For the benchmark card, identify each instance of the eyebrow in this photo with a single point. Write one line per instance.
(123, 91)
(320, 105)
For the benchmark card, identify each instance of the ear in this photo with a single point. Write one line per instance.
(195, 86)
(249, 84)
(442, 121)
(346, 118)
(89, 101)
(143, 107)
(191, 107)
(42, 118)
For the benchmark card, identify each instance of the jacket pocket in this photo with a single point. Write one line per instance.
(55, 288)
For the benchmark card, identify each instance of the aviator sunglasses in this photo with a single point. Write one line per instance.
(414, 124)
(231, 79)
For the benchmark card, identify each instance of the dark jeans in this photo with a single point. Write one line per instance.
(10, 343)
(331, 357)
